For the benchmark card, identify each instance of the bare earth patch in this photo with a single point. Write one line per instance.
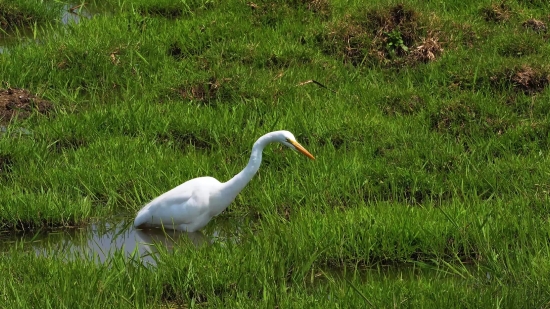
(529, 80)
(535, 25)
(395, 36)
(524, 79)
(20, 103)
(497, 13)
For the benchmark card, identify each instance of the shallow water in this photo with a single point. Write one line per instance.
(71, 13)
(101, 240)
(13, 131)
(74, 13)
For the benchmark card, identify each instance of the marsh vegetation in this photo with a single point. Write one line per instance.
(429, 123)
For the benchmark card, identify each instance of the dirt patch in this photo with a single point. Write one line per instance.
(20, 103)
(535, 25)
(395, 35)
(497, 12)
(524, 79)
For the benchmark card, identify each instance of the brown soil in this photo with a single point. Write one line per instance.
(524, 79)
(529, 80)
(395, 35)
(535, 25)
(497, 13)
(20, 103)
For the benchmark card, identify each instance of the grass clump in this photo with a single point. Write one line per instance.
(535, 25)
(16, 14)
(393, 35)
(497, 12)
(524, 79)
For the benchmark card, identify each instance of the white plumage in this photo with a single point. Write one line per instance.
(191, 205)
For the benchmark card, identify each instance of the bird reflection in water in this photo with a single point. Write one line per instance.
(103, 240)
(151, 239)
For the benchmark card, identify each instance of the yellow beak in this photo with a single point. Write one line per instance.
(301, 149)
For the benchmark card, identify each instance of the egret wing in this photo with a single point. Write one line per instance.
(181, 205)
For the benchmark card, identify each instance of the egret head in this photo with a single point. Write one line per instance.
(288, 139)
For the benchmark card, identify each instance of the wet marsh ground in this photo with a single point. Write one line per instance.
(429, 123)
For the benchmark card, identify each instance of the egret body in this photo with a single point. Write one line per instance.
(191, 205)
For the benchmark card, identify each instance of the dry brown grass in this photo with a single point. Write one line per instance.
(524, 79)
(535, 25)
(391, 36)
(497, 12)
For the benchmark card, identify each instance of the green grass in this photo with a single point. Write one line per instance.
(27, 13)
(438, 165)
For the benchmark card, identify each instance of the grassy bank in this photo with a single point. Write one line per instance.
(429, 124)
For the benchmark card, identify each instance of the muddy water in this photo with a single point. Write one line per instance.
(101, 240)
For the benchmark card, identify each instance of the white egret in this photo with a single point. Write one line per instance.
(191, 205)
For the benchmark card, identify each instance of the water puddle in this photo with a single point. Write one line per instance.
(75, 13)
(5, 131)
(71, 14)
(101, 240)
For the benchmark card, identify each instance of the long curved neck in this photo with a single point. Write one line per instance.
(235, 185)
